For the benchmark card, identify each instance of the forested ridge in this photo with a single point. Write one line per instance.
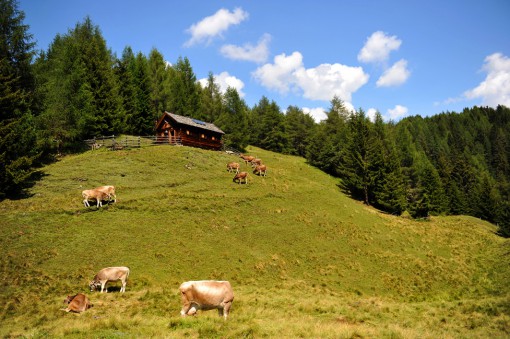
(51, 100)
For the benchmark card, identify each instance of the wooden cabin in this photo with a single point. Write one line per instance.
(180, 130)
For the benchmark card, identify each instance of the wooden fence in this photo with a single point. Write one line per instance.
(116, 143)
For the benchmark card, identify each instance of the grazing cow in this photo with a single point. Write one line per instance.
(206, 295)
(110, 274)
(260, 170)
(233, 166)
(110, 190)
(239, 177)
(77, 303)
(247, 158)
(256, 162)
(94, 194)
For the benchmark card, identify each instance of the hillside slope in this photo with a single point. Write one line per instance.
(180, 217)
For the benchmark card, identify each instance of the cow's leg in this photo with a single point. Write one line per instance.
(226, 309)
(123, 288)
(192, 311)
(103, 285)
(86, 203)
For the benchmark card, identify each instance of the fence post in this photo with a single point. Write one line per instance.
(139, 142)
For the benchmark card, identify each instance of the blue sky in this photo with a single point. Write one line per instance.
(400, 58)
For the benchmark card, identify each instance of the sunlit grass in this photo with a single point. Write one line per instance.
(304, 260)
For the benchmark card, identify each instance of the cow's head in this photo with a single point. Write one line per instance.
(69, 299)
(94, 285)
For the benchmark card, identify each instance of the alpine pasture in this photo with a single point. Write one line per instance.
(304, 259)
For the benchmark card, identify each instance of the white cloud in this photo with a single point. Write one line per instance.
(279, 76)
(371, 114)
(224, 80)
(318, 114)
(327, 80)
(248, 52)
(378, 47)
(397, 112)
(395, 75)
(214, 25)
(320, 83)
(495, 90)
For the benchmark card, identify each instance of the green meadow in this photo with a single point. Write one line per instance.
(304, 259)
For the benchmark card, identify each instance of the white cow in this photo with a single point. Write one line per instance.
(206, 295)
(96, 195)
(110, 274)
(110, 190)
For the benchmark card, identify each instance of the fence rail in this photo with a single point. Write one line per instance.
(115, 143)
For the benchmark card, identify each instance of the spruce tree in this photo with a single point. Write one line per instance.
(18, 143)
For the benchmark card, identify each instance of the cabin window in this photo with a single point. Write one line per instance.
(213, 138)
(203, 136)
(188, 132)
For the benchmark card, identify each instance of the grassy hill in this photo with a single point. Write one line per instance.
(304, 259)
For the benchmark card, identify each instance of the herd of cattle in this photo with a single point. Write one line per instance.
(107, 193)
(195, 295)
(258, 168)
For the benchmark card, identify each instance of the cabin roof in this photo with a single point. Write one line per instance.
(194, 122)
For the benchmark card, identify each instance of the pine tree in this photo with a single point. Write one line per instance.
(300, 128)
(18, 143)
(184, 90)
(233, 120)
(159, 82)
(211, 101)
(142, 121)
(357, 166)
(80, 95)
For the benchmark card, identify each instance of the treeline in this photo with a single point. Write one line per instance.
(451, 163)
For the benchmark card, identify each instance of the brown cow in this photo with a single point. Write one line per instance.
(77, 303)
(94, 194)
(110, 190)
(110, 274)
(206, 295)
(256, 162)
(233, 166)
(247, 158)
(260, 170)
(239, 177)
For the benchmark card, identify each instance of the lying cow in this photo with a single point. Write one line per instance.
(96, 195)
(260, 170)
(239, 177)
(110, 190)
(233, 166)
(77, 303)
(206, 295)
(110, 274)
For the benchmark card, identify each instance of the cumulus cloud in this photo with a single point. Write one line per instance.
(378, 47)
(318, 113)
(279, 76)
(224, 80)
(209, 27)
(248, 52)
(320, 83)
(395, 75)
(327, 80)
(495, 89)
(371, 112)
(397, 112)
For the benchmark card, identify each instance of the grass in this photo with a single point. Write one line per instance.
(304, 259)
